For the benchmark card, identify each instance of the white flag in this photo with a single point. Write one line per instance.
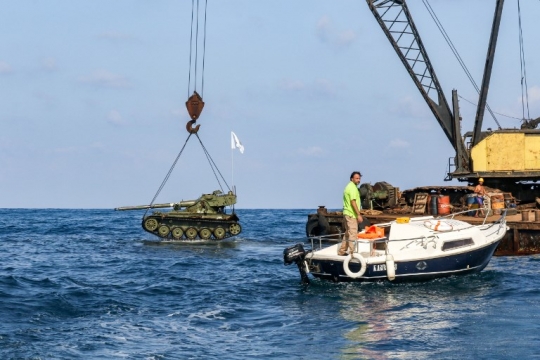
(235, 143)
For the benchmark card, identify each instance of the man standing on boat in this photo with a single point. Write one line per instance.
(351, 213)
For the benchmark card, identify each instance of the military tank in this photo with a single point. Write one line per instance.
(204, 218)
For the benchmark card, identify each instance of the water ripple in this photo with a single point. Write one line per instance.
(92, 284)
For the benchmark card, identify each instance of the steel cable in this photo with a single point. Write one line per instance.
(524, 98)
(213, 165)
(194, 46)
(168, 174)
(456, 54)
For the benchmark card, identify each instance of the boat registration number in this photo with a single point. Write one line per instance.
(382, 267)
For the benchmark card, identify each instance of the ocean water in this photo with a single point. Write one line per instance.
(92, 284)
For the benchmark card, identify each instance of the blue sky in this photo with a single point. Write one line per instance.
(93, 95)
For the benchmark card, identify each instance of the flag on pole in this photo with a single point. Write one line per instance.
(235, 143)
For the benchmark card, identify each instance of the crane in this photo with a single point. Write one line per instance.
(508, 159)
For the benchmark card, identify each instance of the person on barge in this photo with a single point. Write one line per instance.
(480, 192)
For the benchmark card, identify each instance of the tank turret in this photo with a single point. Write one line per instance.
(214, 203)
(204, 218)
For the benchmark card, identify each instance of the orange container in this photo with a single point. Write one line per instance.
(372, 232)
(497, 205)
(443, 205)
(497, 201)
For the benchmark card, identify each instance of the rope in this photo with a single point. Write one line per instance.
(194, 46)
(213, 165)
(456, 54)
(524, 98)
(370, 212)
(204, 48)
(190, 47)
(508, 116)
(168, 175)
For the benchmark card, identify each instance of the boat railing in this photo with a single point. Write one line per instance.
(320, 242)
(317, 241)
(485, 208)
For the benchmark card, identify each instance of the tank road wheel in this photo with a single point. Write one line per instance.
(219, 233)
(150, 224)
(177, 233)
(163, 231)
(191, 233)
(205, 233)
(235, 229)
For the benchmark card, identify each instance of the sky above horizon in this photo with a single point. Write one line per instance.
(93, 98)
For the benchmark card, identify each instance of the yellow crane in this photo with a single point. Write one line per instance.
(508, 159)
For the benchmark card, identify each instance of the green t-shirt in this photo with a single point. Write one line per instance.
(351, 192)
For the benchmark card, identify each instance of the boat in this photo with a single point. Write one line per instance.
(406, 249)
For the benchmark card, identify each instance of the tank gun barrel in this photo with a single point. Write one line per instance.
(143, 207)
(186, 203)
(206, 203)
(177, 205)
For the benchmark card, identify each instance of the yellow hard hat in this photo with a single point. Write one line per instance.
(481, 180)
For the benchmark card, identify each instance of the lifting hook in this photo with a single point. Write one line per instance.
(194, 107)
(190, 129)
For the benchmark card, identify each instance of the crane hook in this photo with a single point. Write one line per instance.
(190, 129)
(194, 107)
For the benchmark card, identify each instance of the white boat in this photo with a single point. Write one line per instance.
(414, 249)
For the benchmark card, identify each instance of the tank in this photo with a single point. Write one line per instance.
(204, 218)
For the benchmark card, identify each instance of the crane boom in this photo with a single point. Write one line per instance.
(487, 73)
(396, 22)
(506, 158)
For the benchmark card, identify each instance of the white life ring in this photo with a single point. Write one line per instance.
(438, 225)
(354, 275)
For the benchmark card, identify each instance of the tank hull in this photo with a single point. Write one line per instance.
(188, 227)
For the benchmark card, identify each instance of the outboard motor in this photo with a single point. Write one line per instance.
(297, 254)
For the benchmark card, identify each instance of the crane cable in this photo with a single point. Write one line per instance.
(498, 113)
(167, 176)
(194, 45)
(213, 165)
(193, 70)
(524, 86)
(524, 90)
(456, 54)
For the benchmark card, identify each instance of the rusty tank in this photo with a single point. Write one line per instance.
(201, 219)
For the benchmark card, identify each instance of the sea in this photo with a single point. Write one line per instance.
(91, 284)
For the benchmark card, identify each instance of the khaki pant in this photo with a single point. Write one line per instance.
(351, 234)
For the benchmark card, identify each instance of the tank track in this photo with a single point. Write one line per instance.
(189, 229)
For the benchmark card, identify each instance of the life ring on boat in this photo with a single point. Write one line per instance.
(438, 225)
(354, 275)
